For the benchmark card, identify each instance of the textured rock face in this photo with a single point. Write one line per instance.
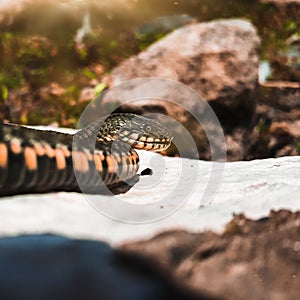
(281, 95)
(277, 130)
(250, 260)
(219, 60)
(290, 8)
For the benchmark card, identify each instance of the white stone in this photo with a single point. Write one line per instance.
(253, 188)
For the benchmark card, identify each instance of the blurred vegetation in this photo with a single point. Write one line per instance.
(51, 50)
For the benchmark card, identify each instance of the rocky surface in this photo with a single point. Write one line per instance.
(204, 60)
(277, 130)
(282, 96)
(259, 121)
(180, 194)
(220, 69)
(223, 70)
(250, 260)
(285, 60)
(290, 8)
(285, 66)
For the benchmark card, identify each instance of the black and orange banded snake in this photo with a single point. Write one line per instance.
(34, 160)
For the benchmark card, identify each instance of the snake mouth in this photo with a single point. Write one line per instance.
(150, 143)
(156, 145)
(146, 143)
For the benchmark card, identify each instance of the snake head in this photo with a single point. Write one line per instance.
(138, 131)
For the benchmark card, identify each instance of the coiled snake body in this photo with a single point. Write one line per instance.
(101, 154)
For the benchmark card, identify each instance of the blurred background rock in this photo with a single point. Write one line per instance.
(55, 57)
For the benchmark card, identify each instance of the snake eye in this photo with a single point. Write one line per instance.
(148, 128)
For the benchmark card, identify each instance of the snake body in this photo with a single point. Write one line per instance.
(100, 154)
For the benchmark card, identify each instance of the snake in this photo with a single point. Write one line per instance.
(101, 154)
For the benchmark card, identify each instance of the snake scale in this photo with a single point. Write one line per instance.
(100, 154)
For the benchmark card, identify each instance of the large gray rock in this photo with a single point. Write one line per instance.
(218, 59)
